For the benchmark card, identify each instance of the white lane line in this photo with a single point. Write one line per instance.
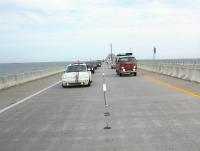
(27, 98)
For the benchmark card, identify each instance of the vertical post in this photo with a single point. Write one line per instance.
(107, 113)
(154, 53)
(104, 90)
(111, 52)
(104, 94)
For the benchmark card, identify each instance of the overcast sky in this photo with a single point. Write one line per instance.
(65, 30)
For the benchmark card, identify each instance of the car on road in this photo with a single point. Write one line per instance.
(99, 63)
(76, 75)
(90, 66)
(113, 66)
(94, 64)
(126, 64)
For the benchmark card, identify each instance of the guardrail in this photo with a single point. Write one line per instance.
(187, 69)
(12, 80)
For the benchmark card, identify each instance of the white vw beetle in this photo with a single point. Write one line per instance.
(76, 75)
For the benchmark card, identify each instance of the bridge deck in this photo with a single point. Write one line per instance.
(144, 115)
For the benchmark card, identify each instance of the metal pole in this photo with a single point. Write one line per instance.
(111, 52)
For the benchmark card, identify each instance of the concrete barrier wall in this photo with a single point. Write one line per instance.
(12, 80)
(184, 71)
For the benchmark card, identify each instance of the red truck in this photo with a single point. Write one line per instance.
(126, 64)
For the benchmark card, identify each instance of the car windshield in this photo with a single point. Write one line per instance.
(127, 59)
(76, 68)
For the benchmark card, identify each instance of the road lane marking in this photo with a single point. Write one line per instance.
(27, 98)
(193, 94)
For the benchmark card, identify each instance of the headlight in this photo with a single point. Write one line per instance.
(122, 67)
(64, 76)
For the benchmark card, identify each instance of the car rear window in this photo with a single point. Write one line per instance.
(76, 68)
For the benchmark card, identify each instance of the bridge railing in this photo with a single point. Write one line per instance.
(187, 69)
(12, 80)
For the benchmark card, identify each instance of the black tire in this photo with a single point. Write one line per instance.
(63, 86)
(135, 74)
(120, 74)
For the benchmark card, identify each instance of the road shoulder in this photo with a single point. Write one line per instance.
(183, 84)
(14, 94)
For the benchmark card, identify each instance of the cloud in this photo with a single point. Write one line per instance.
(149, 15)
(45, 5)
(77, 25)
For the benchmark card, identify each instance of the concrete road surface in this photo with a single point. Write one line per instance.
(145, 115)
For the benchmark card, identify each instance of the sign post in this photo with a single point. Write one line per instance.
(154, 53)
(111, 52)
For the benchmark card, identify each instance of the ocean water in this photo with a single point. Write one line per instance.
(16, 68)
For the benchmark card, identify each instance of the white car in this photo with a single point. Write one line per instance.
(76, 75)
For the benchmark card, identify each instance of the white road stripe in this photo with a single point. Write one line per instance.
(27, 98)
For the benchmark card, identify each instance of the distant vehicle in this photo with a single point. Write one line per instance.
(76, 75)
(126, 64)
(90, 66)
(94, 63)
(99, 63)
(113, 66)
